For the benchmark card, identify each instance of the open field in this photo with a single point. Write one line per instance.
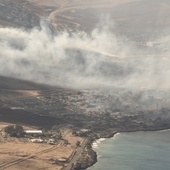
(20, 153)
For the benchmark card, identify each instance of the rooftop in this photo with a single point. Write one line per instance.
(33, 131)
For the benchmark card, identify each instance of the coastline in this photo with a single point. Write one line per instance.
(94, 143)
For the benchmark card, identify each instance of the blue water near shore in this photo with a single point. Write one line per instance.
(134, 151)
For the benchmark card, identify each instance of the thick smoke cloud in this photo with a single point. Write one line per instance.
(99, 59)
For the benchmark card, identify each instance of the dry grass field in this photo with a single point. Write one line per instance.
(18, 155)
(23, 154)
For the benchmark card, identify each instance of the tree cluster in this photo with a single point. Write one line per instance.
(15, 130)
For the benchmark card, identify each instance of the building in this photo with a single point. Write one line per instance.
(33, 132)
(37, 140)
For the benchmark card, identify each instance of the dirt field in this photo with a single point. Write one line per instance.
(20, 154)
(17, 155)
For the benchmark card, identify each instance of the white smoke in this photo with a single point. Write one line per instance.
(98, 59)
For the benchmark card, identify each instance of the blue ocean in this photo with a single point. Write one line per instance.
(134, 151)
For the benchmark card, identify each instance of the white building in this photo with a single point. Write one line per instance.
(37, 140)
(32, 132)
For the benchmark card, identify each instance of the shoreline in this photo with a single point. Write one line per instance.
(112, 135)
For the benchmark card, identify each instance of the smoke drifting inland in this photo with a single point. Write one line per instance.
(100, 59)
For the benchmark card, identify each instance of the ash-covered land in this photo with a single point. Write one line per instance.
(86, 69)
(96, 109)
(17, 14)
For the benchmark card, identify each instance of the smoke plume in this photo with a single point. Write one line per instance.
(80, 60)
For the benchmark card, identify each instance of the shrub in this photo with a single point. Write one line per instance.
(15, 130)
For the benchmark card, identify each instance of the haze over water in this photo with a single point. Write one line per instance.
(135, 151)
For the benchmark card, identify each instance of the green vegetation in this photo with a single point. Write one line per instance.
(78, 144)
(15, 130)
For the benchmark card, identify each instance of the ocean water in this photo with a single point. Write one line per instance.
(134, 151)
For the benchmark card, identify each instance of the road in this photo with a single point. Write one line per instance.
(77, 154)
(53, 15)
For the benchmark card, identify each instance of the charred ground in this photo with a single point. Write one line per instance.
(96, 109)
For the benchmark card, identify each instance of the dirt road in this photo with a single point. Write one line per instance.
(17, 161)
(53, 15)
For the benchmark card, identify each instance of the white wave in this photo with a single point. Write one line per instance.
(116, 135)
(95, 144)
(165, 130)
(102, 139)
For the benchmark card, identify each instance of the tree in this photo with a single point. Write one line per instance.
(15, 130)
(9, 129)
(19, 131)
(78, 143)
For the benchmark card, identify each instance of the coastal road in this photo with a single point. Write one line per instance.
(77, 154)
